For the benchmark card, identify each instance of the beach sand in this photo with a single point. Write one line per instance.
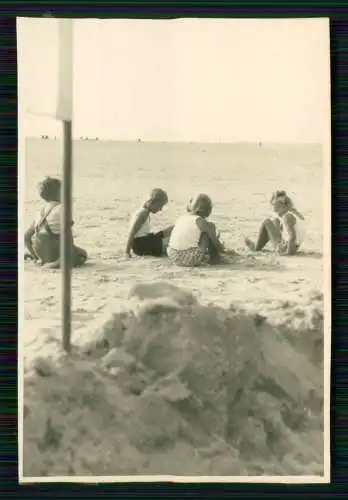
(110, 181)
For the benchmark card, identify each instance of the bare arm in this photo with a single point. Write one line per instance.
(207, 228)
(289, 224)
(296, 212)
(138, 223)
(28, 240)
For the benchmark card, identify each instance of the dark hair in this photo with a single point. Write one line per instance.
(49, 189)
(157, 195)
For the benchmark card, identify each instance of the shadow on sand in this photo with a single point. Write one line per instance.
(314, 254)
(310, 253)
(264, 260)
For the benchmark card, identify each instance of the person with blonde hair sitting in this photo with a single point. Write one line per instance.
(285, 232)
(194, 240)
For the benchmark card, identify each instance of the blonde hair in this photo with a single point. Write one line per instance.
(282, 197)
(201, 205)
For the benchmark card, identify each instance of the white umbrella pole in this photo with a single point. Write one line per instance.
(66, 246)
(64, 113)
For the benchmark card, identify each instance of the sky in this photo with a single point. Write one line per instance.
(181, 80)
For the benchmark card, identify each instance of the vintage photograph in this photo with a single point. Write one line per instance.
(174, 250)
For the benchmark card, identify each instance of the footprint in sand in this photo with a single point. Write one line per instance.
(84, 316)
(296, 281)
(315, 295)
(221, 285)
(104, 279)
(299, 313)
(253, 280)
(285, 304)
(48, 301)
(51, 339)
(115, 217)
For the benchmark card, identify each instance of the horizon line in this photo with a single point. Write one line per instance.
(173, 141)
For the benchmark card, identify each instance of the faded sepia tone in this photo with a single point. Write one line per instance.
(236, 109)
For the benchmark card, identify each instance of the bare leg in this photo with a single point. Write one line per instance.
(212, 249)
(206, 244)
(215, 255)
(166, 237)
(79, 258)
(53, 265)
(165, 243)
(269, 231)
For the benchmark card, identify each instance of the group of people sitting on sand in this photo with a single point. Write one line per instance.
(192, 241)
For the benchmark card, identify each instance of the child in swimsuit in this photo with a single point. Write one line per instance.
(285, 232)
(141, 240)
(42, 239)
(194, 241)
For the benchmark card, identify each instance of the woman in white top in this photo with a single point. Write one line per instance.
(42, 239)
(285, 232)
(194, 241)
(141, 240)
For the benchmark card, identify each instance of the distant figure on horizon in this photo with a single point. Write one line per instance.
(194, 240)
(42, 239)
(285, 232)
(141, 240)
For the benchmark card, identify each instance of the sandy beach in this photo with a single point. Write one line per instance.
(110, 181)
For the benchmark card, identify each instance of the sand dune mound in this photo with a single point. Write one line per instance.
(174, 387)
